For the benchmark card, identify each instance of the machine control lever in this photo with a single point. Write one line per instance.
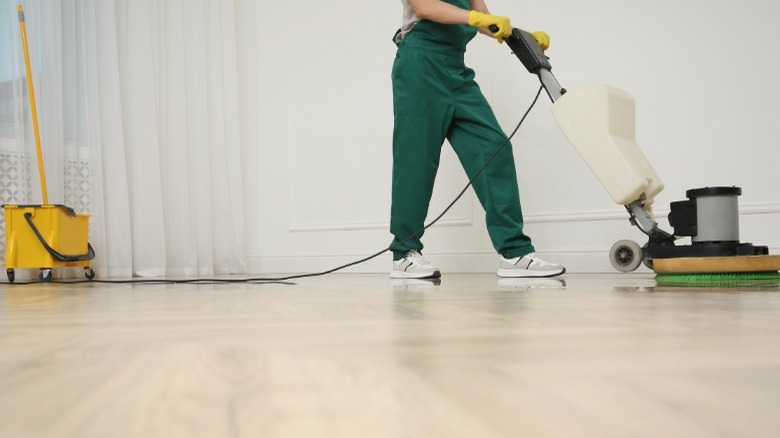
(525, 47)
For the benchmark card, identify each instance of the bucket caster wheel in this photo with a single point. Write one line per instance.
(11, 275)
(625, 255)
(44, 275)
(89, 273)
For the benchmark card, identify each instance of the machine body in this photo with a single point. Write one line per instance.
(599, 121)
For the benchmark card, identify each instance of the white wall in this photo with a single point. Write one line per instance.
(316, 125)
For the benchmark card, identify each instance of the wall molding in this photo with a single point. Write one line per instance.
(620, 214)
(370, 225)
(535, 218)
(458, 221)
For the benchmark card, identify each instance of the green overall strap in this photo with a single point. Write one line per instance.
(447, 38)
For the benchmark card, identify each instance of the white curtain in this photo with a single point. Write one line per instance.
(138, 108)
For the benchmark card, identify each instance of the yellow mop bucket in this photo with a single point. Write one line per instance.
(44, 236)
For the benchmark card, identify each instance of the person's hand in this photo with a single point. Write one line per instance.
(478, 19)
(542, 39)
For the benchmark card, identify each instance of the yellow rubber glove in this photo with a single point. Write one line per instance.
(542, 39)
(478, 19)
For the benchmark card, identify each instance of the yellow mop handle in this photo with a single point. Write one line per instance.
(32, 105)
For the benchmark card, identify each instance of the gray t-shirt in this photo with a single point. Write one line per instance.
(408, 22)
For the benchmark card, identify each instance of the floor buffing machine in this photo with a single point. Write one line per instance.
(599, 121)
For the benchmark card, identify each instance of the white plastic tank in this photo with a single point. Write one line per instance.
(600, 122)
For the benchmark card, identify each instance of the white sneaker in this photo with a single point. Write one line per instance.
(529, 265)
(414, 265)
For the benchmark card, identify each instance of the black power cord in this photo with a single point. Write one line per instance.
(286, 280)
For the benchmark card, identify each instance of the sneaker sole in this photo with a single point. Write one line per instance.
(514, 273)
(418, 275)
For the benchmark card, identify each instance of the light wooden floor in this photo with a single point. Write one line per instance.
(360, 355)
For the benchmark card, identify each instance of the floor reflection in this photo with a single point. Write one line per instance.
(524, 284)
(748, 282)
(415, 284)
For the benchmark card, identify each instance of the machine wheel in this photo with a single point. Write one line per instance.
(11, 275)
(648, 264)
(44, 275)
(90, 273)
(625, 255)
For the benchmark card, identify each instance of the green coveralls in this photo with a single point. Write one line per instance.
(435, 97)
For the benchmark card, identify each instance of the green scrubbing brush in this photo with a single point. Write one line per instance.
(753, 280)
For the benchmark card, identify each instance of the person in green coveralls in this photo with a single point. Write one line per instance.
(435, 98)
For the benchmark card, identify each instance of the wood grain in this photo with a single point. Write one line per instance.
(361, 355)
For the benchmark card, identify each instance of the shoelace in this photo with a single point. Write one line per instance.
(417, 258)
(536, 260)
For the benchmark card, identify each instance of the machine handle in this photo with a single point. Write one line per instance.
(62, 258)
(527, 50)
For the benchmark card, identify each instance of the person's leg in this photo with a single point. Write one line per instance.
(475, 135)
(422, 114)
